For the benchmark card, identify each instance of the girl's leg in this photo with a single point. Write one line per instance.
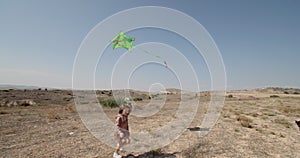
(119, 146)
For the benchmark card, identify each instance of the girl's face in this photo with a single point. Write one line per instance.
(125, 112)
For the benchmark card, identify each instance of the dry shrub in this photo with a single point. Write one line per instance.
(70, 108)
(53, 116)
(254, 114)
(274, 96)
(284, 122)
(289, 109)
(3, 112)
(244, 118)
(245, 121)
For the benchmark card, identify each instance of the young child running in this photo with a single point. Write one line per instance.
(122, 129)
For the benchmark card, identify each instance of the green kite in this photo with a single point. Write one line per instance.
(124, 41)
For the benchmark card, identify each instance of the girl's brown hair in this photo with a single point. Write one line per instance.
(120, 111)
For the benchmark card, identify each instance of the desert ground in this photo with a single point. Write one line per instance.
(253, 123)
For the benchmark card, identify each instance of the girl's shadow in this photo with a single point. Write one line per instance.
(151, 155)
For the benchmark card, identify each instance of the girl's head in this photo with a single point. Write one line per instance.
(121, 111)
(124, 111)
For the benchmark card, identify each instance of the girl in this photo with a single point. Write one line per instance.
(122, 129)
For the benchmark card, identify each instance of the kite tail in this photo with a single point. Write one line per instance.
(165, 62)
(157, 56)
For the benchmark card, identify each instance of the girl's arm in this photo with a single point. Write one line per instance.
(118, 121)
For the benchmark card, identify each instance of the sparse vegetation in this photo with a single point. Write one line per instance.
(274, 96)
(155, 152)
(264, 117)
(3, 112)
(109, 103)
(84, 102)
(53, 116)
(254, 114)
(238, 112)
(226, 115)
(259, 130)
(230, 96)
(138, 99)
(246, 124)
(289, 109)
(67, 99)
(70, 108)
(270, 114)
(283, 122)
(273, 133)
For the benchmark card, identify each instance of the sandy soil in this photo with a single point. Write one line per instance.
(252, 124)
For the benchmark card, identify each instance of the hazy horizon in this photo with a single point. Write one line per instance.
(31, 87)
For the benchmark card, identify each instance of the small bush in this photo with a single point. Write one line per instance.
(270, 114)
(244, 118)
(245, 121)
(273, 133)
(274, 96)
(67, 99)
(230, 96)
(296, 93)
(254, 114)
(3, 112)
(289, 109)
(259, 130)
(285, 92)
(155, 152)
(246, 124)
(137, 99)
(53, 116)
(264, 117)
(112, 103)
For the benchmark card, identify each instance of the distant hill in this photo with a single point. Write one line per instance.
(279, 90)
(7, 86)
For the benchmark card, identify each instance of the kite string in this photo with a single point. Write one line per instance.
(157, 56)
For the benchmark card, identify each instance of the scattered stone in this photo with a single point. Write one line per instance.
(25, 102)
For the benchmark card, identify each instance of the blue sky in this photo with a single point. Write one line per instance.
(258, 40)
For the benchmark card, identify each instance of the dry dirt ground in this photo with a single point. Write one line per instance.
(253, 123)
